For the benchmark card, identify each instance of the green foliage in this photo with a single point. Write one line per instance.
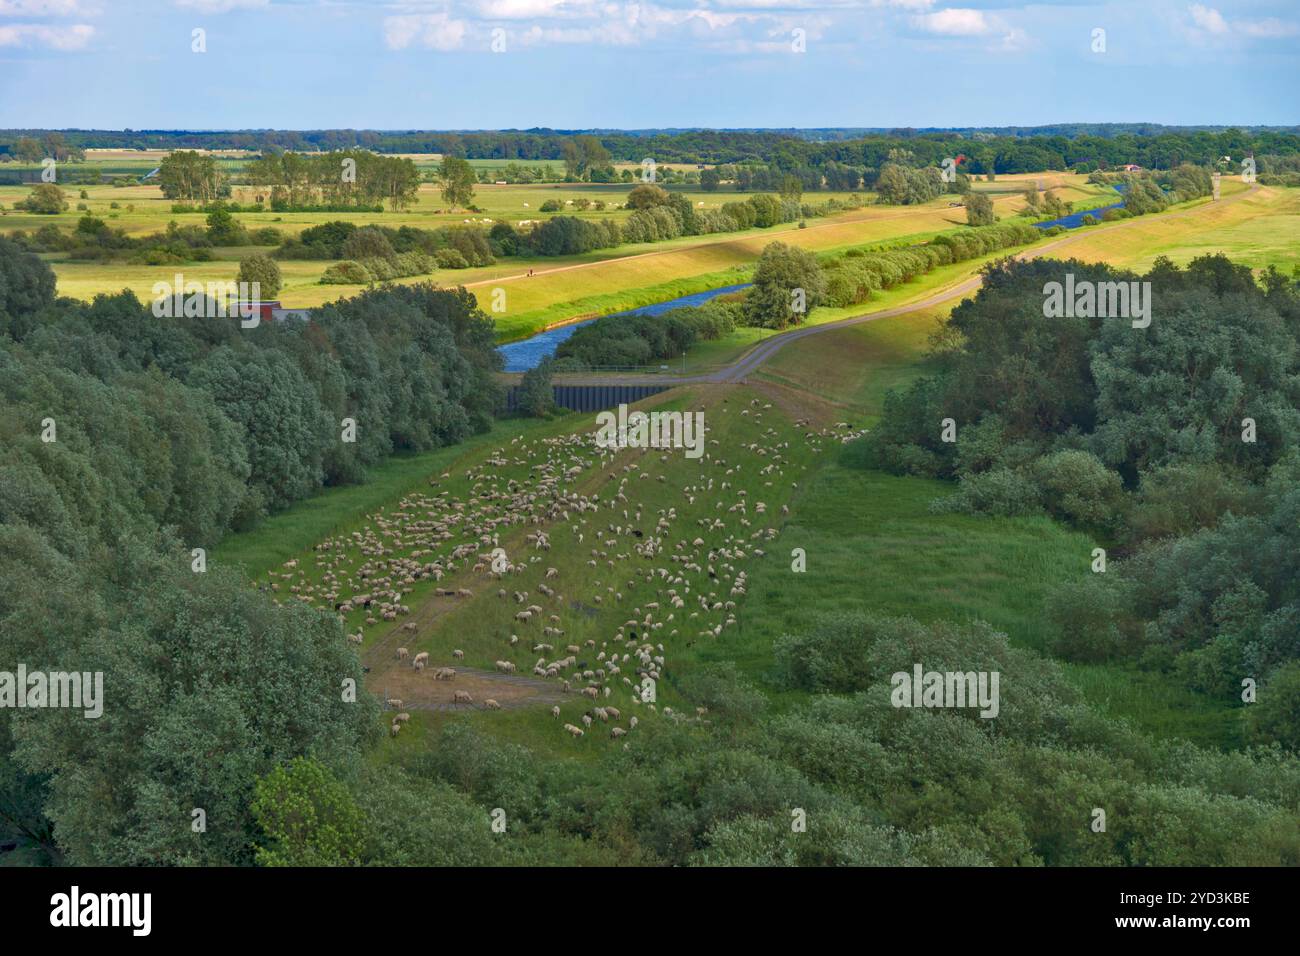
(1062, 415)
(647, 196)
(224, 230)
(45, 198)
(788, 285)
(979, 210)
(535, 392)
(457, 182)
(904, 185)
(187, 174)
(1275, 716)
(346, 273)
(263, 270)
(299, 181)
(308, 817)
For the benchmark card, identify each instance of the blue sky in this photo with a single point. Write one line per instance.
(431, 64)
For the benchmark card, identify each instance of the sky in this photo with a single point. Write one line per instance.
(568, 64)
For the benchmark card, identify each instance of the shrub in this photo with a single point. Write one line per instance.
(263, 270)
(450, 259)
(367, 243)
(536, 396)
(1000, 491)
(1085, 615)
(1275, 716)
(1077, 486)
(347, 273)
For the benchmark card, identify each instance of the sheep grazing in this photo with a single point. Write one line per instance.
(458, 654)
(408, 628)
(586, 721)
(462, 697)
(403, 653)
(555, 711)
(394, 703)
(401, 718)
(395, 729)
(616, 732)
(574, 731)
(591, 692)
(491, 704)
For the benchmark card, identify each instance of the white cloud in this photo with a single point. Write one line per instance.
(1014, 41)
(220, 6)
(517, 9)
(47, 8)
(956, 21)
(1267, 29)
(1211, 24)
(433, 31)
(73, 36)
(1208, 19)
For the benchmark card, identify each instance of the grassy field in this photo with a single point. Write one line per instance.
(870, 539)
(1259, 229)
(560, 289)
(856, 366)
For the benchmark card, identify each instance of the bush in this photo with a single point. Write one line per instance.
(450, 259)
(830, 657)
(367, 243)
(1085, 615)
(536, 395)
(347, 273)
(1275, 715)
(263, 270)
(1000, 491)
(1076, 486)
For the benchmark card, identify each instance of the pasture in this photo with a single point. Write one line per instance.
(560, 289)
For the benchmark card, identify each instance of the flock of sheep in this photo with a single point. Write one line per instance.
(676, 573)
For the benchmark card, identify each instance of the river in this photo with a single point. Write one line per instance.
(527, 353)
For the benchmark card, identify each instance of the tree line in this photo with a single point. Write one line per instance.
(1001, 151)
(1177, 445)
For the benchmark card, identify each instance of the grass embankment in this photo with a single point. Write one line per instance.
(293, 532)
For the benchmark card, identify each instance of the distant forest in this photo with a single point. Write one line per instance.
(1000, 150)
